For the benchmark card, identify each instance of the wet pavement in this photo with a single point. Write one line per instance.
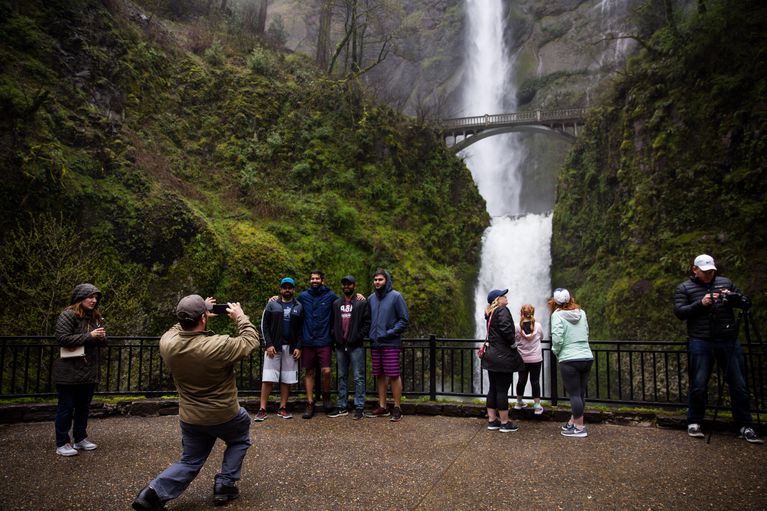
(423, 462)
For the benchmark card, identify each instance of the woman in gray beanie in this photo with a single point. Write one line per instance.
(79, 332)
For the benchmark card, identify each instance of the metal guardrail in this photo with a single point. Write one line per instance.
(624, 372)
(567, 115)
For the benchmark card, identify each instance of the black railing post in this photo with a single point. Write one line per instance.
(433, 367)
(553, 377)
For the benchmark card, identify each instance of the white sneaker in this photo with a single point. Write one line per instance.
(66, 450)
(520, 405)
(538, 408)
(694, 431)
(85, 445)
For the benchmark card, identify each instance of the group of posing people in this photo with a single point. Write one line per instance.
(308, 326)
(511, 348)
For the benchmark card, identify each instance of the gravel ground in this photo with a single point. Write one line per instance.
(420, 463)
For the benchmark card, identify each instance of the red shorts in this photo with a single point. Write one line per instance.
(311, 355)
(386, 361)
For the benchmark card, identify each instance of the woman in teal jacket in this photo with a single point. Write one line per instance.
(570, 344)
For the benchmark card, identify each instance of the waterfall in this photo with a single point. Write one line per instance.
(516, 247)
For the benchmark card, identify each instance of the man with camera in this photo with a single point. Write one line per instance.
(203, 368)
(706, 301)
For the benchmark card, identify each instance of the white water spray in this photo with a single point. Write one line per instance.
(516, 247)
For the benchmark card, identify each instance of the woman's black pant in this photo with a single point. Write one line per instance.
(575, 377)
(498, 392)
(534, 370)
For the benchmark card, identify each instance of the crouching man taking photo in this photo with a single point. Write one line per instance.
(202, 365)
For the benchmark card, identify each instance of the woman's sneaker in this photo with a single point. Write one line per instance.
(567, 427)
(508, 427)
(538, 408)
(66, 450)
(493, 425)
(575, 431)
(84, 445)
(519, 405)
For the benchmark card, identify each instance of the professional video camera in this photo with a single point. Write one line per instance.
(733, 299)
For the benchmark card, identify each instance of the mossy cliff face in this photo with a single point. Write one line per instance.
(153, 172)
(673, 166)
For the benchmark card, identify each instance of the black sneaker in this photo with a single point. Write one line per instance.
(309, 413)
(223, 493)
(694, 431)
(509, 427)
(396, 414)
(493, 425)
(358, 414)
(338, 412)
(148, 500)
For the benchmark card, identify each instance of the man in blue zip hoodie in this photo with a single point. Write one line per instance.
(388, 320)
(317, 341)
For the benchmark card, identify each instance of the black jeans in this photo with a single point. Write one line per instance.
(498, 391)
(74, 405)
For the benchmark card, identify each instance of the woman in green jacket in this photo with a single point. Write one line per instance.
(570, 344)
(79, 332)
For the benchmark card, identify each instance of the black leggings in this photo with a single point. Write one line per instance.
(575, 377)
(498, 392)
(534, 370)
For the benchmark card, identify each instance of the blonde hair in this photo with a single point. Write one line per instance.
(522, 310)
(496, 303)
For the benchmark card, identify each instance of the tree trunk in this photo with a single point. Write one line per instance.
(323, 34)
(261, 16)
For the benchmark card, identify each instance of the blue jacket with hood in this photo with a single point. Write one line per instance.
(318, 308)
(388, 316)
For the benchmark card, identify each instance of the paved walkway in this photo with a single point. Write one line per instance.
(420, 463)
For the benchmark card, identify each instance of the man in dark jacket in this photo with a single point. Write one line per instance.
(351, 322)
(317, 302)
(388, 320)
(706, 302)
(281, 327)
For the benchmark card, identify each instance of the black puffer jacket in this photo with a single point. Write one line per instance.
(717, 321)
(74, 331)
(500, 355)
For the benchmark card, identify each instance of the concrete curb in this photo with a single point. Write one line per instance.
(152, 407)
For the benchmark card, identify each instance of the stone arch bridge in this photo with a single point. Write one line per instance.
(461, 132)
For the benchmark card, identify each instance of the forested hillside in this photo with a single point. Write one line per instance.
(158, 156)
(673, 165)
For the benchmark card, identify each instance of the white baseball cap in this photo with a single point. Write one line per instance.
(704, 262)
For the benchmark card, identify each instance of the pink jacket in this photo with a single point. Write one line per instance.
(529, 345)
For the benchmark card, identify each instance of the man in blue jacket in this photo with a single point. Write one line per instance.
(318, 305)
(388, 320)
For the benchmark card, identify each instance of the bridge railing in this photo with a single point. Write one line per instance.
(624, 372)
(532, 116)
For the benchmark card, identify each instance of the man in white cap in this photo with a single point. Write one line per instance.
(202, 365)
(706, 301)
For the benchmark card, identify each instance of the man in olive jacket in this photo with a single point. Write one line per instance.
(203, 365)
